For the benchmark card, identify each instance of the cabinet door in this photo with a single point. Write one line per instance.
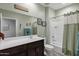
(36, 51)
(40, 50)
(14, 51)
(31, 51)
(36, 48)
(23, 53)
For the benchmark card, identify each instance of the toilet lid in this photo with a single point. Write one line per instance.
(49, 46)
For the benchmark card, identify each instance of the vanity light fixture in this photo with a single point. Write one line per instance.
(20, 7)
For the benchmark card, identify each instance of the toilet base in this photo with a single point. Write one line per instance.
(49, 53)
(49, 50)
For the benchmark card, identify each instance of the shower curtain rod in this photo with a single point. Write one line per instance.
(77, 11)
(67, 14)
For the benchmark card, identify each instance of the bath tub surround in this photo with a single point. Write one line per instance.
(23, 45)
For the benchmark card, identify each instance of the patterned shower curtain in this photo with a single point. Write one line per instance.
(70, 34)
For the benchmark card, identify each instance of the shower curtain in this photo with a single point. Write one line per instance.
(71, 26)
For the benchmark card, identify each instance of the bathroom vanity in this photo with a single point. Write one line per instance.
(22, 46)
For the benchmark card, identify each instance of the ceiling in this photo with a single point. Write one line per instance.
(55, 6)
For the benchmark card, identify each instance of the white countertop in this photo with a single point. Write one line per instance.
(15, 41)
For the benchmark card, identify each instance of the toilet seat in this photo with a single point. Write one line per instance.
(49, 46)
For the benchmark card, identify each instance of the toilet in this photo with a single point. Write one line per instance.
(49, 50)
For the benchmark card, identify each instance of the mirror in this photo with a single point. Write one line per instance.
(15, 24)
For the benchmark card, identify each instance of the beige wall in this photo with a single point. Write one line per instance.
(51, 13)
(34, 9)
(37, 11)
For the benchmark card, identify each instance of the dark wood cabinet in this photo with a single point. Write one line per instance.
(36, 49)
(13, 51)
(30, 49)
